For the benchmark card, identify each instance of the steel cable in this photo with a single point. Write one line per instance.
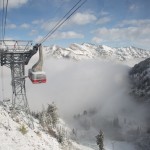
(63, 20)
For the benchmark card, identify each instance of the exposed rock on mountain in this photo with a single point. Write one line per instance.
(89, 51)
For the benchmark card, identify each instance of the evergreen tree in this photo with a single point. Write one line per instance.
(49, 117)
(61, 135)
(116, 123)
(138, 131)
(100, 140)
(52, 114)
(84, 112)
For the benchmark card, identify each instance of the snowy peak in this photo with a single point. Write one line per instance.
(106, 48)
(91, 51)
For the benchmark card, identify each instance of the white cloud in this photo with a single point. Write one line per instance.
(104, 20)
(36, 22)
(38, 39)
(82, 18)
(104, 13)
(133, 7)
(77, 19)
(62, 35)
(96, 40)
(13, 3)
(140, 22)
(11, 26)
(25, 26)
(58, 3)
(67, 35)
(129, 33)
(145, 42)
(48, 25)
(134, 35)
(33, 32)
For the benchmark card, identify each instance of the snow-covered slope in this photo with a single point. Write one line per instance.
(140, 83)
(16, 135)
(140, 79)
(13, 138)
(88, 51)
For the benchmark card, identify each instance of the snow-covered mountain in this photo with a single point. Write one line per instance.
(15, 134)
(140, 89)
(140, 79)
(89, 51)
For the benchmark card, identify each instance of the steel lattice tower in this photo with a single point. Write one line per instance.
(19, 99)
(15, 55)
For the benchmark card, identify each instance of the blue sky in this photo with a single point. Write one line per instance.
(115, 23)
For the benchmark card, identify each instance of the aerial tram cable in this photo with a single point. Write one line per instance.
(2, 27)
(3, 11)
(4, 17)
(3, 14)
(57, 11)
(5, 20)
(63, 20)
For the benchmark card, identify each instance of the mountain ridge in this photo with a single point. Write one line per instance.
(90, 51)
